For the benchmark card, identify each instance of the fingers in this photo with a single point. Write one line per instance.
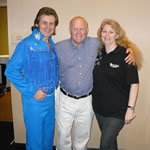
(129, 51)
(128, 59)
(128, 121)
(43, 95)
(40, 95)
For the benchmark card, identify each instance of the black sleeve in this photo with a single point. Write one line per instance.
(131, 74)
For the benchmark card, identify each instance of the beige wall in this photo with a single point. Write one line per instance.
(133, 15)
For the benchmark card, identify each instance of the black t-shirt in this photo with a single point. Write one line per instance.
(112, 80)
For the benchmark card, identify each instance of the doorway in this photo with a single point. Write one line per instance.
(5, 95)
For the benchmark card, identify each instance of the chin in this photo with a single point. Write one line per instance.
(47, 35)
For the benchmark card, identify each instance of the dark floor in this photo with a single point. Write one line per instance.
(7, 137)
(6, 134)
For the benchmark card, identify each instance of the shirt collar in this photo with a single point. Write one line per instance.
(39, 36)
(117, 50)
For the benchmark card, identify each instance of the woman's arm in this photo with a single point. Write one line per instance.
(129, 116)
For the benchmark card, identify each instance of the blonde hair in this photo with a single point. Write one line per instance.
(122, 39)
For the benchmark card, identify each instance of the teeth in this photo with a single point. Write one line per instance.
(78, 37)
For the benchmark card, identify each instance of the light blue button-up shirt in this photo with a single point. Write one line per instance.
(76, 65)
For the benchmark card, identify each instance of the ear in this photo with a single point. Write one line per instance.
(37, 25)
(87, 30)
(117, 37)
(70, 30)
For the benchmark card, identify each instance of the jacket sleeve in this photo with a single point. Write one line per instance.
(14, 69)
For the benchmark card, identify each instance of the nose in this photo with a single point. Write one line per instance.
(48, 26)
(78, 31)
(107, 33)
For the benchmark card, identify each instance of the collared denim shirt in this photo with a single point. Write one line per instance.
(33, 66)
(76, 65)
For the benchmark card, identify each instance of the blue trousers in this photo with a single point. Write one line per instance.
(110, 128)
(39, 118)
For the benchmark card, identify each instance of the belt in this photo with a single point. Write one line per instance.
(73, 96)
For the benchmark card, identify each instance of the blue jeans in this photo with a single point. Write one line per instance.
(110, 128)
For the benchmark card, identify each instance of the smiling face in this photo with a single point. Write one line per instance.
(78, 31)
(108, 35)
(46, 25)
